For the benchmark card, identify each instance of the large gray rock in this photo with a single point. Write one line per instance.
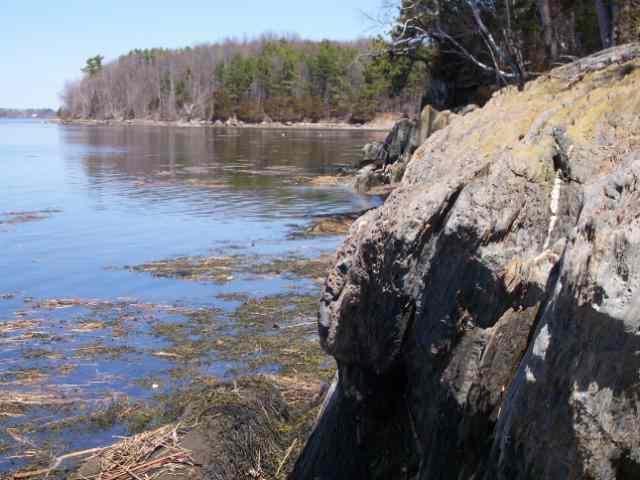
(486, 318)
(398, 143)
(384, 163)
(372, 152)
(369, 177)
(431, 120)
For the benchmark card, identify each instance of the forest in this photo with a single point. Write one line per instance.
(473, 47)
(447, 53)
(277, 78)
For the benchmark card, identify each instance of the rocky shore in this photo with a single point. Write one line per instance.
(383, 163)
(485, 319)
(381, 122)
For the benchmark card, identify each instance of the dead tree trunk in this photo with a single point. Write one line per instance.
(605, 22)
(548, 34)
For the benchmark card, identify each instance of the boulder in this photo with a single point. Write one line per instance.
(372, 152)
(369, 177)
(472, 107)
(431, 120)
(398, 142)
(403, 139)
(485, 318)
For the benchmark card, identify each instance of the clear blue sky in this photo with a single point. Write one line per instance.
(43, 43)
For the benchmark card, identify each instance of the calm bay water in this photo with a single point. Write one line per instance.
(80, 203)
(124, 195)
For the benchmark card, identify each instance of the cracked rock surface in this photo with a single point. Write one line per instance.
(486, 318)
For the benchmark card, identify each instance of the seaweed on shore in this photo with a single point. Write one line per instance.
(213, 269)
(250, 428)
(251, 336)
(223, 269)
(324, 225)
(15, 217)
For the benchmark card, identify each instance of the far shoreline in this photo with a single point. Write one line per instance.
(377, 125)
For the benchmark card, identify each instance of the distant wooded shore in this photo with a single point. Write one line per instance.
(27, 113)
(380, 122)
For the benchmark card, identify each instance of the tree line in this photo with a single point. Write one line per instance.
(278, 78)
(469, 45)
(27, 113)
(446, 53)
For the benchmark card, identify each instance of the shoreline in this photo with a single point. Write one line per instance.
(265, 342)
(381, 126)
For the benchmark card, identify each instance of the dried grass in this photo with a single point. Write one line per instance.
(145, 456)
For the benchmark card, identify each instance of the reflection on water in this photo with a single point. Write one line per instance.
(133, 194)
(79, 204)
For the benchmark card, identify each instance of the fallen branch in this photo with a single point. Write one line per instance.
(286, 456)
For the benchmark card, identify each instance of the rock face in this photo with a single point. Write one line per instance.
(372, 153)
(486, 318)
(431, 120)
(384, 163)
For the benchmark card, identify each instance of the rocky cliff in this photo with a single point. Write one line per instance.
(486, 318)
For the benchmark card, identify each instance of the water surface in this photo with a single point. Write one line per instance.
(78, 204)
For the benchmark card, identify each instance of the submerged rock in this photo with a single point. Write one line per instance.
(485, 319)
